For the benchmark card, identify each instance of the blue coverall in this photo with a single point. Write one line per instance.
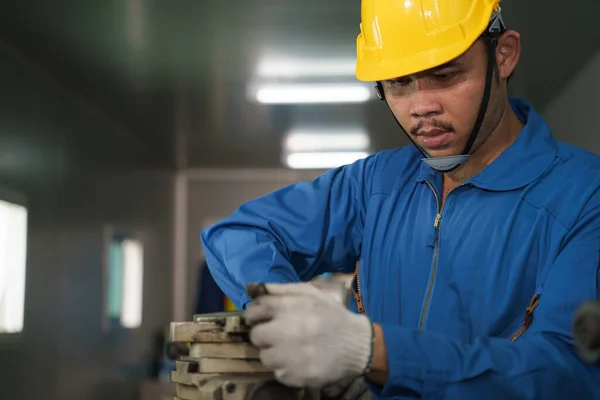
(475, 296)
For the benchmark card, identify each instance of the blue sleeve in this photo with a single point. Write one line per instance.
(541, 364)
(292, 234)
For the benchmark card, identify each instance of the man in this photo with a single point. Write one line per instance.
(475, 244)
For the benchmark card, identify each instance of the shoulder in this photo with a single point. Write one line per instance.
(390, 170)
(576, 169)
(577, 159)
(571, 187)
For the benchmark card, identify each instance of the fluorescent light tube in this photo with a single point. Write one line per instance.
(323, 160)
(313, 93)
(295, 68)
(310, 141)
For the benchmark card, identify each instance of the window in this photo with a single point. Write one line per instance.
(13, 249)
(125, 279)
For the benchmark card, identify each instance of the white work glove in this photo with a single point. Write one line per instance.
(349, 389)
(307, 337)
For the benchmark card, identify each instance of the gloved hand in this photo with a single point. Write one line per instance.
(307, 337)
(349, 389)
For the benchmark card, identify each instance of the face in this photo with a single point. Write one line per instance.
(438, 108)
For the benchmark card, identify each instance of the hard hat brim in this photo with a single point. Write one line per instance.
(416, 63)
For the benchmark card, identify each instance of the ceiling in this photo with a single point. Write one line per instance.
(176, 72)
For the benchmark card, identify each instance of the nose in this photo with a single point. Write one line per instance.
(424, 104)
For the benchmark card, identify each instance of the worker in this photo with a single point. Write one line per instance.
(475, 244)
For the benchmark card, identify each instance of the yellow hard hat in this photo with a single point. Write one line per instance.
(403, 37)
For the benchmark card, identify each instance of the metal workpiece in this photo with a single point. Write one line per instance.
(190, 384)
(222, 364)
(586, 331)
(215, 359)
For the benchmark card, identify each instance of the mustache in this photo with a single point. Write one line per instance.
(432, 123)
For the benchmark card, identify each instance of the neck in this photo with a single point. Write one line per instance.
(502, 136)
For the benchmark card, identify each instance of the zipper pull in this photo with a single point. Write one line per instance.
(436, 223)
(528, 320)
(359, 304)
(355, 288)
(529, 311)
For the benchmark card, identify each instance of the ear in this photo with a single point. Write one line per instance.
(508, 52)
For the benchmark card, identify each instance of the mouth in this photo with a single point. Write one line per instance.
(435, 138)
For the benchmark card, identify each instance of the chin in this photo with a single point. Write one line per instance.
(442, 152)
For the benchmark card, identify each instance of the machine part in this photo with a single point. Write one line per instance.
(174, 350)
(191, 385)
(220, 362)
(271, 389)
(211, 328)
(586, 331)
(225, 366)
(223, 350)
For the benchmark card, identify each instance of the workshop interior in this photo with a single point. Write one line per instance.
(129, 126)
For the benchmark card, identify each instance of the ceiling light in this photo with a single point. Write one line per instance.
(290, 68)
(310, 141)
(322, 160)
(313, 93)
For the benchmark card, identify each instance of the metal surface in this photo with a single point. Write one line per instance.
(221, 363)
(176, 72)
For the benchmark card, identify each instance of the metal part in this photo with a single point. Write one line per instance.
(195, 386)
(586, 331)
(220, 362)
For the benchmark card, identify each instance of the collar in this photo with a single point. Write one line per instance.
(524, 161)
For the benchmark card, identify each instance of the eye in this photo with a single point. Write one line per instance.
(442, 77)
(400, 82)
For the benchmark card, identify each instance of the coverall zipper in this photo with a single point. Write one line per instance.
(357, 294)
(528, 320)
(436, 225)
